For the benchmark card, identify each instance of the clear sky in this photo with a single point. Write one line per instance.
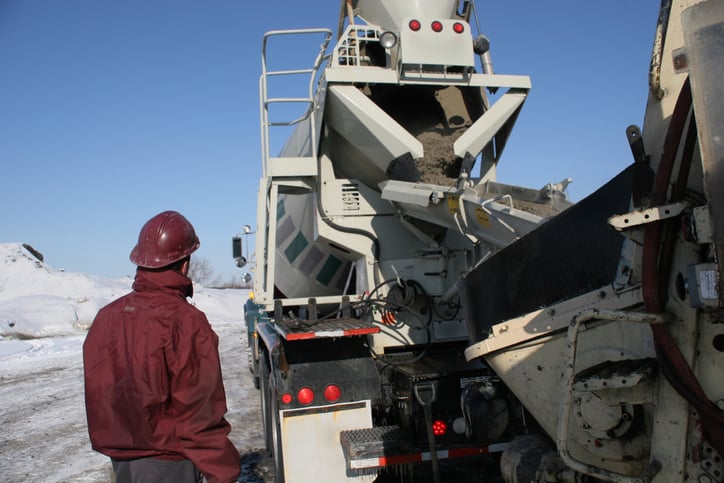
(112, 111)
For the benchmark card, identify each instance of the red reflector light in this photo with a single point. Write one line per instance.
(458, 28)
(305, 396)
(414, 25)
(286, 398)
(437, 26)
(439, 428)
(332, 393)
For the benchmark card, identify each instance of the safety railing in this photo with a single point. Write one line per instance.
(304, 165)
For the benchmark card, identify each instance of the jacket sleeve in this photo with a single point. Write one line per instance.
(200, 400)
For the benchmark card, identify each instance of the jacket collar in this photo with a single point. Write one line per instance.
(165, 281)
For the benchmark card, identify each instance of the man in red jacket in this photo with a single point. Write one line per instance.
(154, 394)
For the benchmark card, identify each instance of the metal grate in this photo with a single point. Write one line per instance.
(348, 50)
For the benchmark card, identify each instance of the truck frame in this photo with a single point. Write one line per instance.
(408, 308)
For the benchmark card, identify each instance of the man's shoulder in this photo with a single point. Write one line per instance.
(194, 314)
(114, 305)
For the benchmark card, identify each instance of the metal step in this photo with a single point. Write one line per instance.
(374, 447)
(292, 166)
(307, 329)
(313, 327)
(621, 374)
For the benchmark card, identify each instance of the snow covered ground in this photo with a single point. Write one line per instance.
(44, 316)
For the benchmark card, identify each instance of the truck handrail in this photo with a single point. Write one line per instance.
(267, 101)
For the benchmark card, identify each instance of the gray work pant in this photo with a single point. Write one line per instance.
(150, 470)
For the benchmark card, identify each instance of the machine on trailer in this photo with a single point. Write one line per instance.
(409, 308)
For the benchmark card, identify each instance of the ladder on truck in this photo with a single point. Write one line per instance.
(285, 173)
(296, 166)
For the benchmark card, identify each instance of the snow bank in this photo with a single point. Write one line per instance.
(220, 304)
(38, 301)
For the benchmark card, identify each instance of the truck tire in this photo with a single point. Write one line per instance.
(267, 422)
(276, 432)
(250, 357)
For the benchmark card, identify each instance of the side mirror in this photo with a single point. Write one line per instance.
(236, 248)
(246, 277)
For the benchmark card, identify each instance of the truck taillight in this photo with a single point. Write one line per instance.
(458, 28)
(305, 396)
(436, 26)
(332, 393)
(414, 25)
(439, 428)
(287, 398)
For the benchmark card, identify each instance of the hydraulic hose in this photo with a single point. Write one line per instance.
(656, 266)
(354, 231)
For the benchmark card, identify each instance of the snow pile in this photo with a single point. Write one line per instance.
(37, 300)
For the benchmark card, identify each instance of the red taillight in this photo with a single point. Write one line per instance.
(305, 396)
(437, 26)
(439, 428)
(332, 393)
(458, 28)
(286, 398)
(414, 25)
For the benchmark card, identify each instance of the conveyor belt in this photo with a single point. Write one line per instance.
(571, 254)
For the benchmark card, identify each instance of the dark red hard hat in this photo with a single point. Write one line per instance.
(164, 239)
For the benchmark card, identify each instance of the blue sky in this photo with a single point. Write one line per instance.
(112, 111)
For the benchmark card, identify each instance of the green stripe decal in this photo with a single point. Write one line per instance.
(281, 211)
(295, 247)
(328, 270)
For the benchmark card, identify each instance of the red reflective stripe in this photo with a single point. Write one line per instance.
(345, 333)
(419, 457)
(400, 459)
(301, 336)
(460, 452)
(426, 456)
(363, 331)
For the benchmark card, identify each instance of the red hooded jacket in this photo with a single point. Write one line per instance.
(153, 385)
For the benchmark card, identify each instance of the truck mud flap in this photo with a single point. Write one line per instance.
(569, 255)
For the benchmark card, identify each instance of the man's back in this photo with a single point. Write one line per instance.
(153, 379)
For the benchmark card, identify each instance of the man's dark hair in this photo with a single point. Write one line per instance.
(175, 266)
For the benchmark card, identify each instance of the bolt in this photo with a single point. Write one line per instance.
(681, 62)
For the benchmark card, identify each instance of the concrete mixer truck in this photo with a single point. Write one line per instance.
(409, 309)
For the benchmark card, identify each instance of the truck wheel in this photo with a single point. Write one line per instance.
(266, 414)
(276, 433)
